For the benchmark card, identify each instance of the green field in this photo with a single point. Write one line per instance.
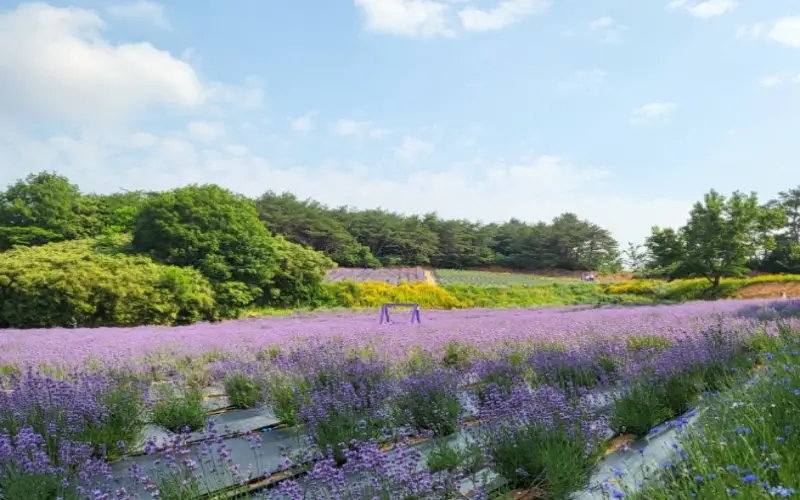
(486, 278)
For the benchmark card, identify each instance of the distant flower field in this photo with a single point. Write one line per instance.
(471, 400)
(486, 278)
(393, 276)
(484, 329)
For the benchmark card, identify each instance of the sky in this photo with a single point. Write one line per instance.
(623, 112)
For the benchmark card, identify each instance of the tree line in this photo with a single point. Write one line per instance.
(725, 236)
(45, 207)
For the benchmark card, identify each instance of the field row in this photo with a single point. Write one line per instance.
(399, 275)
(500, 401)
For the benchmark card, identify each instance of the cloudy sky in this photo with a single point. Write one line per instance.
(623, 111)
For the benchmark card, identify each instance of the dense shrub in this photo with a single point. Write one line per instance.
(71, 283)
(374, 294)
(220, 234)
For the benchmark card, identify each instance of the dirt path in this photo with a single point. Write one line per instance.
(770, 290)
(430, 277)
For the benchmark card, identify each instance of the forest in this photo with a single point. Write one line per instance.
(46, 207)
(204, 253)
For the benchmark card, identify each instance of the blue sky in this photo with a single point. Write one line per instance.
(623, 112)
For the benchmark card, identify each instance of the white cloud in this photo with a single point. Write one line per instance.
(653, 110)
(504, 14)
(786, 31)
(796, 79)
(205, 131)
(304, 124)
(412, 148)
(141, 10)
(706, 9)
(55, 67)
(771, 81)
(411, 18)
(347, 127)
(586, 79)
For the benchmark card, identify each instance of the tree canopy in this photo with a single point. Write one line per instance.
(724, 236)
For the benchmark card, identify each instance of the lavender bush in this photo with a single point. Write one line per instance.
(393, 276)
(525, 383)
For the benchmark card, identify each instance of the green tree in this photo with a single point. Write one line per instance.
(461, 243)
(666, 252)
(220, 234)
(720, 235)
(784, 257)
(117, 212)
(43, 208)
(71, 283)
(311, 224)
(394, 239)
(635, 257)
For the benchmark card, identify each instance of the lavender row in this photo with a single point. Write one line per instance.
(393, 276)
(343, 398)
(142, 348)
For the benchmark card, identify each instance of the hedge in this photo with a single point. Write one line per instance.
(72, 284)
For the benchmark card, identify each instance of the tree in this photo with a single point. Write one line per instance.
(117, 212)
(220, 234)
(666, 251)
(44, 208)
(635, 257)
(311, 224)
(784, 256)
(719, 235)
(461, 243)
(393, 239)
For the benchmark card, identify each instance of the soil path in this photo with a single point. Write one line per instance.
(430, 277)
(770, 290)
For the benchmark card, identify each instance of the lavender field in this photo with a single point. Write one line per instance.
(559, 403)
(393, 276)
(485, 329)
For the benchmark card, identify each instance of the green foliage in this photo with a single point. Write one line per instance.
(666, 250)
(723, 237)
(447, 456)
(70, 283)
(345, 424)
(43, 208)
(176, 412)
(22, 485)
(220, 234)
(647, 343)
(242, 391)
(458, 355)
(209, 228)
(748, 429)
(118, 211)
(309, 223)
(722, 234)
(298, 278)
(435, 409)
(532, 456)
(286, 396)
(639, 410)
(486, 278)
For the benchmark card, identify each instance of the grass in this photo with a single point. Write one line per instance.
(178, 412)
(746, 443)
(486, 278)
(242, 391)
(516, 291)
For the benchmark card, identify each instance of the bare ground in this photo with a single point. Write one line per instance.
(770, 290)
